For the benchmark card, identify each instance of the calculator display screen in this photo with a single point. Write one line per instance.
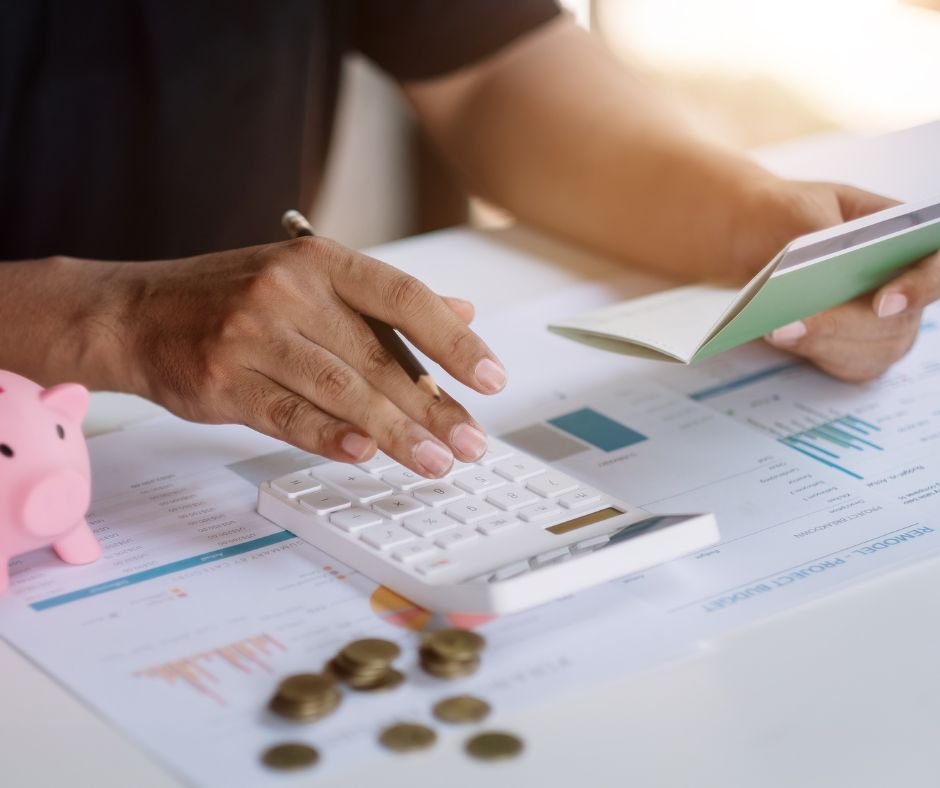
(585, 520)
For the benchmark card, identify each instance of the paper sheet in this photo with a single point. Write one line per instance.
(179, 634)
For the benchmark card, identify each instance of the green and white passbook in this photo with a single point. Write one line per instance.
(811, 274)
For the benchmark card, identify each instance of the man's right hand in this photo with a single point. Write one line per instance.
(272, 337)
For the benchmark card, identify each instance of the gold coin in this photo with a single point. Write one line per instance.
(461, 708)
(492, 745)
(305, 686)
(305, 697)
(369, 651)
(389, 680)
(407, 737)
(459, 644)
(448, 669)
(292, 755)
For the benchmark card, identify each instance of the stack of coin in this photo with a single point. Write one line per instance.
(305, 697)
(451, 653)
(367, 665)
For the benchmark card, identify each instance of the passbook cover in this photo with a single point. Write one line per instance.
(811, 274)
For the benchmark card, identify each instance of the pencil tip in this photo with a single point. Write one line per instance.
(296, 223)
(427, 383)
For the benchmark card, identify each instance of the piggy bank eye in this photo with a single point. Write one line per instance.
(5, 450)
(59, 431)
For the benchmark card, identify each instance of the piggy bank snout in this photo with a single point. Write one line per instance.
(54, 502)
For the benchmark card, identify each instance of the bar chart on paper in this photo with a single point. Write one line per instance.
(868, 432)
(204, 673)
(832, 440)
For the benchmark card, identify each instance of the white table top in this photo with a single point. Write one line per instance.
(842, 691)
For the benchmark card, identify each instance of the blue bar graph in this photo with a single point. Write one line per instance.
(831, 442)
(597, 429)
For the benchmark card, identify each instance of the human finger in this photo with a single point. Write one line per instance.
(855, 203)
(404, 302)
(268, 407)
(443, 416)
(463, 309)
(330, 383)
(914, 289)
(849, 341)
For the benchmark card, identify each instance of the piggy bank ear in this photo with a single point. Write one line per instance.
(69, 399)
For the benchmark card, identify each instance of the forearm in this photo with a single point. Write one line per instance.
(61, 321)
(566, 138)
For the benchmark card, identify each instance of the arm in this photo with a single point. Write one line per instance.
(567, 138)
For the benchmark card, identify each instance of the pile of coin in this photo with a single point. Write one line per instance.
(366, 665)
(451, 653)
(305, 697)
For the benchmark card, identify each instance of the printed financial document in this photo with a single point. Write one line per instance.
(179, 634)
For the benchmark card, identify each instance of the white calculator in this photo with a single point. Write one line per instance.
(495, 536)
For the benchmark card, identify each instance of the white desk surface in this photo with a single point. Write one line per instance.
(842, 691)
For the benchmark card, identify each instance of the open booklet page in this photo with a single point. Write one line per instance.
(813, 273)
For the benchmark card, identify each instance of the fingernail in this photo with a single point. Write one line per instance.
(892, 304)
(468, 441)
(356, 445)
(434, 458)
(490, 375)
(789, 333)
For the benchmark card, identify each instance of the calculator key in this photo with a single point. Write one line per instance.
(458, 537)
(478, 481)
(470, 510)
(385, 536)
(437, 494)
(358, 485)
(459, 467)
(579, 498)
(397, 506)
(552, 484)
(352, 520)
(511, 570)
(323, 502)
(294, 484)
(436, 566)
(495, 451)
(555, 556)
(380, 462)
(539, 512)
(517, 469)
(429, 523)
(512, 497)
(413, 551)
(403, 479)
(496, 525)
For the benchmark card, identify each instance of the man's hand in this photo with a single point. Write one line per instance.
(859, 340)
(272, 337)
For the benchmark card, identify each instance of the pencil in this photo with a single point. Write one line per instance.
(297, 225)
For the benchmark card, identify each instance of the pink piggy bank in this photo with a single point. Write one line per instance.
(45, 479)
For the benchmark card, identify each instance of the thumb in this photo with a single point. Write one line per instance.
(855, 203)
